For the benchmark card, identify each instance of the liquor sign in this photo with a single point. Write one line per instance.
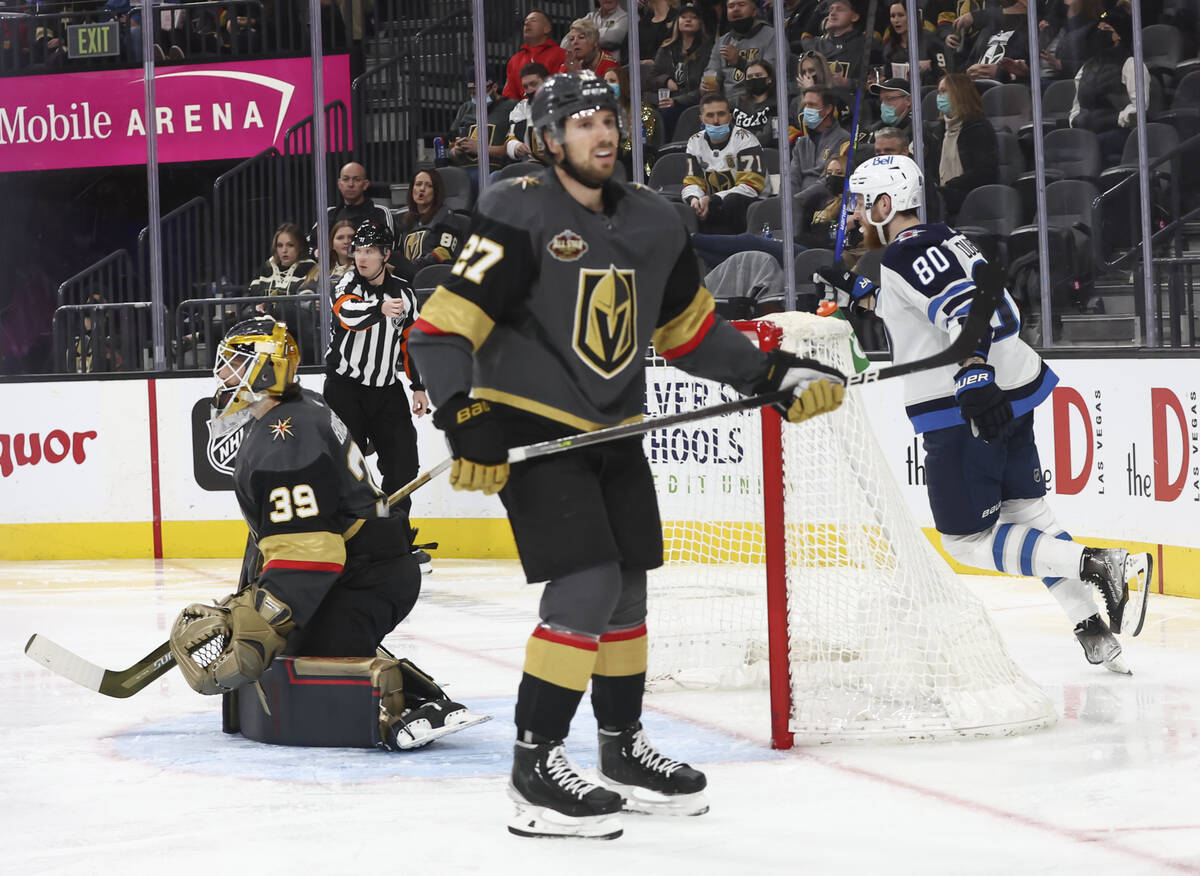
(202, 112)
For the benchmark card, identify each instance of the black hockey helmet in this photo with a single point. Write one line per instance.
(566, 94)
(371, 234)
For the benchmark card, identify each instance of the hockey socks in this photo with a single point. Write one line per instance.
(558, 665)
(619, 677)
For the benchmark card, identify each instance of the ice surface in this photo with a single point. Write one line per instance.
(149, 784)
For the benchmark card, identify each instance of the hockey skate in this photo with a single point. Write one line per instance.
(418, 727)
(1113, 572)
(650, 782)
(1099, 645)
(553, 800)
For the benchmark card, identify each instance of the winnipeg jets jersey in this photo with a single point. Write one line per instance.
(926, 291)
(734, 167)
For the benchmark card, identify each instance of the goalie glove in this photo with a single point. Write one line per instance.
(841, 288)
(221, 647)
(480, 457)
(816, 387)
(982, 403)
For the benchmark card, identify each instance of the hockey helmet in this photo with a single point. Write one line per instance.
(263, 356)
(371, 234)
(564, 95)
(894, 175)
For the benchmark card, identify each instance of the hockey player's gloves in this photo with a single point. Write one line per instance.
(480, 457)
(981, 401)
(841, 288)
(221, 647)
(817, 388)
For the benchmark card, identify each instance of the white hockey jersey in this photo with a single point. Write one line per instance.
(736, 167)
(926, 291)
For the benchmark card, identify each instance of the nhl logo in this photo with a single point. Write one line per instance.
(222, 449)
(567, 246)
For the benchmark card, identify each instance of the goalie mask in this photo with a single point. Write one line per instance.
(258, 358)
(896, 176)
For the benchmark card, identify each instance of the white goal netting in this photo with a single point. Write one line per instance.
(883, 641)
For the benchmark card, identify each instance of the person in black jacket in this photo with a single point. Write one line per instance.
(355, 205)
(374, 311)
(1105, 87)
(679, 64)
(961, 150)
(430, 232)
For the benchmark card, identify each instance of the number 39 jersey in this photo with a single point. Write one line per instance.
(309, 500)
(926, 290)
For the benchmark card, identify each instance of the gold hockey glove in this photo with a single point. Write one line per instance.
(817, 388)
(221, 647)
(480, 457)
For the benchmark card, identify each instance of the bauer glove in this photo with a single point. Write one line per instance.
(816, 387)
(982, 403)
(480, 457)
(841, 288)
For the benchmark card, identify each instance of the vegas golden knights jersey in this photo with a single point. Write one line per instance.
(432, 242)
(557, 305)
(734, 167)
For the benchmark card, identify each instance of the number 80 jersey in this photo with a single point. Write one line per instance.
(926, 290)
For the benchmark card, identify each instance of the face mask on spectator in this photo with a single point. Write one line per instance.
(489, 100)
(742, 26)
(717, 132)
(757, 86)
(835, 183)
(943, 105)
(812, 117)
(1098, 41)
(888, 114)
(616, 88)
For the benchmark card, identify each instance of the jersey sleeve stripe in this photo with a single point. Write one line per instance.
(305, 565)
(685, 332)
(448, 313)
(320, 548)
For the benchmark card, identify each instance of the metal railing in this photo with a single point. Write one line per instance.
(249, 201)
(112, 279)
(187, 250)
(98, 338)
(200, 322)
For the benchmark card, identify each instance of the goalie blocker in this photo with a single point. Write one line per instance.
(344, 702)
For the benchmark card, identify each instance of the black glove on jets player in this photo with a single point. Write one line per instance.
(982, 403)
(842, 288)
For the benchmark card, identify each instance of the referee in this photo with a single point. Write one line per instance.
(374, 312)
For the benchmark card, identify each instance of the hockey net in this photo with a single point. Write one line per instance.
(873, 635)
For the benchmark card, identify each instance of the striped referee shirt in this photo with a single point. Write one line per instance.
(367, 347)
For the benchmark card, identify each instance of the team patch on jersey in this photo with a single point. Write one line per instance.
(605, 334)
(281, 428)
(567, 246)
(412, 245)
(906, 235)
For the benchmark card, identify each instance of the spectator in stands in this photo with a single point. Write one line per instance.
(612, 28)
(725, 172)
(756, 110)
(811, 69)
(894, 49)
(355, 206)
(339, 260)
(680, 64)
(961, 151)
(618, 81)
(521, 143)
(820, 228)
(1067, 47)
(1001, 49)
(655, 20)
(841, 42)
(538, 47)
(430, 232)
(583, 50)
(1105, 88)
(464, 132)
(801, 21)
(895, 106)
(823, 137)
(747, 40)
(282, 274)
(891, 141)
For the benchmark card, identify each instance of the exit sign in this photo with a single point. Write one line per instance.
(93, 40)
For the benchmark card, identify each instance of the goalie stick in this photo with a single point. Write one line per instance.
(126, 682)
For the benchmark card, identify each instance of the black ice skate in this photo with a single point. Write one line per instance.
(651, 782)
(553, 800)
(1099, 645)
(418, 727)
(1114, 572)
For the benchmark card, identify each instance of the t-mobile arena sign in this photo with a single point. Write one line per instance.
(210, 111)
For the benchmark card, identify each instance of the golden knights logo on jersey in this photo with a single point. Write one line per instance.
(412, 244)
(606, 319)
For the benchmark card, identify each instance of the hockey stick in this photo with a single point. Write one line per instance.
(124, 683)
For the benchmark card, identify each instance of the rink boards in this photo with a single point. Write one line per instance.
(92, 469)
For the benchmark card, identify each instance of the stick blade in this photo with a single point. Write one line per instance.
(62, 662)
